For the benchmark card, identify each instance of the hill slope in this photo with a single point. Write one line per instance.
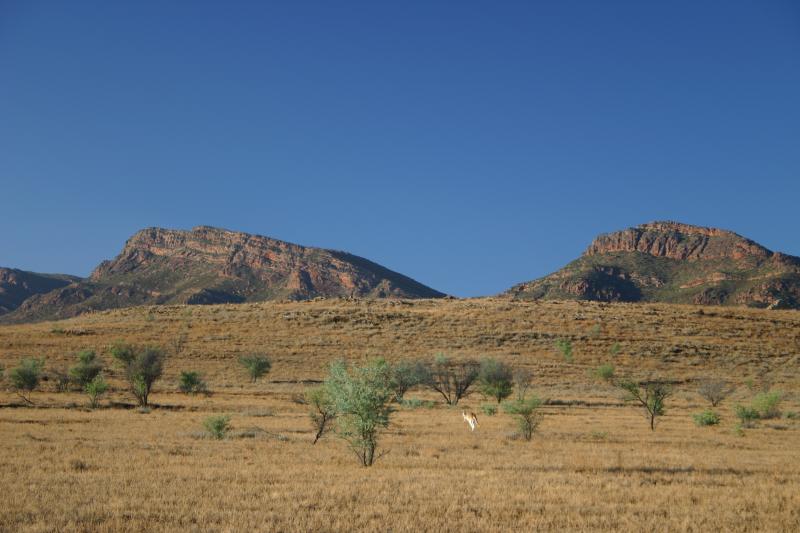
(16, 286)
(209, 265)
(675, 263)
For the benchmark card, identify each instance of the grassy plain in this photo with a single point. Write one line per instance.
(593, 464)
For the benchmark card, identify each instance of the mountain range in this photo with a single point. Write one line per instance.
(655, 262)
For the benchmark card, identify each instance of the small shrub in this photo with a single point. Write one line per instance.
(792, 415)
(143, 366)
(78, 465)
(523, 378)
(61, 379)
(604, 372)
(489, 409)
(564, 346)
(94, 389)
(767, 404)
(25, 377)
(86, 369)
(715, 390)
(495, 379)
(217, 426)
(747, 415)
(322, 411)
(192, 383)
(416, 403)
(405, 376)
(256, 366)
(706, 418)
(526, 413)
(615, 349)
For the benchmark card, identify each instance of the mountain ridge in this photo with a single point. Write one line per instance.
(673, 262)
(207, 265)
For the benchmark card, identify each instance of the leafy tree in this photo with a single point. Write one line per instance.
(405, 376)
(143, 366)
(25, 377)
(255, 365)
(715, 390)
(192, 383)
(564, 346)
(650, 395)
(322, 412)
(361, 398)
(523, 379)
(526, 412)
(87, 368)
(452, 379)
(495, 379)
(94, 389)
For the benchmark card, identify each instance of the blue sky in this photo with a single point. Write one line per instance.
(470, 145)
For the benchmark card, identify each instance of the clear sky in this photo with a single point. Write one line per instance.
(470, 145)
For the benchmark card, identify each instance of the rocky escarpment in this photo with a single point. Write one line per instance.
(209, 265)
(674, 262)
(16, 286)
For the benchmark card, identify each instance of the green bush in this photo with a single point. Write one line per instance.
(217, 426)
(361, 398)
(489, 409)
(86, 369)
(25, 377)
(706, 418)
(143, 365)
(495, 379)
(564, 346)
(767, 404)
(192, 383)
(526, 413)
(405, 376)
(747, 415)
(604, 372)
(256, 366)
(94, 389)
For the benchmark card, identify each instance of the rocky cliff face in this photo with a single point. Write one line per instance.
(16, 286)
(674, 262)
(209, 265)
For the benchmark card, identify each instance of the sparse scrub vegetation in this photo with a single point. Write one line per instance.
(143, 366)
(564, 347)
(651, 396)
(256, 366)
(523, 380)
(95, 389)
(322, 413)
(217, 426)
(767, 404)
(715, 390)
(452, 379)
(25, 377)
(489, 409)
(706, 418)
(526, 413)
(86, 369)
(604, 372)
(191, 382)
(361, 398)
(495, 379)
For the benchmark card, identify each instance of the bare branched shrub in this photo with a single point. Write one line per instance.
(523, 379)
(715, 390)
(322, 411)
(452, 379)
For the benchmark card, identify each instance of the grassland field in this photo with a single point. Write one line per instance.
(593, 464)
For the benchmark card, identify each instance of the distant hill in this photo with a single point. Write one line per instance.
(16, 286)
(674, 263)
(209, 265)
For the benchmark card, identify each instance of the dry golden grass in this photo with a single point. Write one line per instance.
(594, 466)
